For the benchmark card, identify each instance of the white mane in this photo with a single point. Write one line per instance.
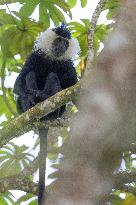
(44, 43)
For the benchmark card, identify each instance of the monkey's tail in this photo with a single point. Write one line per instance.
(42, 164)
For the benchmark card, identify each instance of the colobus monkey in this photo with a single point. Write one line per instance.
(47, 70)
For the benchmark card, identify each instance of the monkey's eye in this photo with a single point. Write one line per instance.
(66, 42)
(59, 39)
(62, 39)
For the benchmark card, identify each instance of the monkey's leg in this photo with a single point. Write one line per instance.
(31, 83)
(52, 86)
(25, 102)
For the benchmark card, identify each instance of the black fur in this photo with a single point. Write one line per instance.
(62, 31)
(45, 77)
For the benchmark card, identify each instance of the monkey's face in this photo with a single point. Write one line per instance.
(59, 46)
(56, 46)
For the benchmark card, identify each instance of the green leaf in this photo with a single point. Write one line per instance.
(6, 18)
(101, 32)
(64, 134)
(83, 3)
(113, 6)
(8, 2)
(52, 156)
(59, 14)
(28, 8)
(3, 108)
(43, 15)
(13, 155)
(10, 167)
(83, 44)
(62, 4)
(9, 146)
(25, 198)
(11, 40)
(72, 3)
(53, 175)
(80, 31)
(3, 201)
(86, 22)
(9, 197)
(47, 8)
(34, 202)
(19, 40)
(53, 15)
(25, 163)
(77, 26)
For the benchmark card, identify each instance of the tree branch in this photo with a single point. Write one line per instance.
(124, 178)
(91, 31)
(18, 183)
(22, 180)
(24, 122)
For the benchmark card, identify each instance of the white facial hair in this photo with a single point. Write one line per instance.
(44, 43)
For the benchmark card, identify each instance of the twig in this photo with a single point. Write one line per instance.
(91, 31)
(22, 180)
(128, 189)
(124, 178)
(18, 183)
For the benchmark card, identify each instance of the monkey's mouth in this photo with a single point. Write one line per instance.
(59, 47)
(58, 53)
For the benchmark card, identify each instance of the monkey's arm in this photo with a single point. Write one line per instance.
(26, 81)
(31, 83)
(70, 76)
(19, 86)
(25, 87)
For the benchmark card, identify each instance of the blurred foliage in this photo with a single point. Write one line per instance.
(113, 7)
(80, 31)
(48, 10)
(17, 35)
(130, 161)
(28, 199)
(72, 3)
(130, 199)
(7, 198)
(13, 159)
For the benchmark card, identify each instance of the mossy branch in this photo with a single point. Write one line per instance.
(24, 122)
(93, 23)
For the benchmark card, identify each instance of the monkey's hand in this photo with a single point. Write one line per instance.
(42, 95)
(37, 95)
(52, 86)
(27, 101)
(31, 100)
(34, 92)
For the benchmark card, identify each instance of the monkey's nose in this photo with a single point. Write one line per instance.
(60, 39)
